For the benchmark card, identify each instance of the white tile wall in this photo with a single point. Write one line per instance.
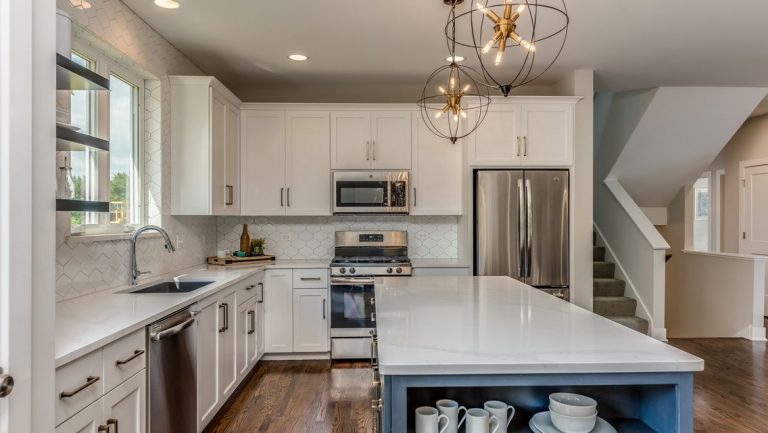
(313, 237)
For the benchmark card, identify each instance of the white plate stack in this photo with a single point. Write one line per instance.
(570, 413)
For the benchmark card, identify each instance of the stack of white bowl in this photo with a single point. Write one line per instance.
(572, 413)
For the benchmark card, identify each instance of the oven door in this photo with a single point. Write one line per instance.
(370, 192)
(352, 307)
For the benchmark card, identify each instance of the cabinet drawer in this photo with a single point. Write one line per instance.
(124, 358)
(251, 287)
(310, 278)
(78, 384)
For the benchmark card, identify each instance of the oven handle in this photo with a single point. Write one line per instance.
(335, 280)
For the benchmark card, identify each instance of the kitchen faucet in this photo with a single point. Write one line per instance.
(135, 273)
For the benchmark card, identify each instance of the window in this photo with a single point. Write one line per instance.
(701, 211)
(113, 176)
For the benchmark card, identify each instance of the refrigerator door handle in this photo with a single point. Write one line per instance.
(529, 225)
(521, 227)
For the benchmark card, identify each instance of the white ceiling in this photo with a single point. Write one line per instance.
(384, 50)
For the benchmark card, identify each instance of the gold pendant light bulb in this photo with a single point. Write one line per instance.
(466, 88)
(499, 57)
(489, 45)
(438, 115)
(520, 8)
(441, 89)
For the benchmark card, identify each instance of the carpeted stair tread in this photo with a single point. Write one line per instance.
(632, 322)
(603, 269)
(614, 305)
(598, 254)
(608, 287)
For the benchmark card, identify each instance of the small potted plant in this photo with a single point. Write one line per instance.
(257, 246)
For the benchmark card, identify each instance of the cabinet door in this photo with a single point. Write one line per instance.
(262, 163)
(497, 140)
(246, 336)
(260, 333)
(278, 308)
(125, 406)
(391, 145)
(207, 360)
(252, 333)
(310, 320)
(87, 420)
(350, 140)
(436, 179)
(227, 344)
(232, 185)
(548, 134)
(218, 154)
(308, 171)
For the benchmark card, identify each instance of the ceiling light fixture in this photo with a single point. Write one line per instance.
(298, 57)
(456, 59)
(460, 91)
(534, 27)
(167, 4)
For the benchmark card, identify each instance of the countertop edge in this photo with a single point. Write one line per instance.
(606, 368)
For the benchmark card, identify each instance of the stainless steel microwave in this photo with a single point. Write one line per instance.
(370, 192)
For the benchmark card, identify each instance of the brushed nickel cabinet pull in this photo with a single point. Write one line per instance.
(261, 292)
(367, 150)
(250, 287)
(525, 145)
(373, 145)
(90, 380)
(414, 196)
(103, 428)
(281, 197)
(112, 422)
(288, 197)
(230, 195)
(519, 146)
(136, 354)
(252, 321)
(225, 327)
(323, 309)
(311, 278)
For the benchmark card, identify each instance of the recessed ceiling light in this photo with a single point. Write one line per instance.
(298, 57)
(167, 4)
(456, 59)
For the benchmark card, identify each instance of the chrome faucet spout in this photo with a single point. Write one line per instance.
(135, 273)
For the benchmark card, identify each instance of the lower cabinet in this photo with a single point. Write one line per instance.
(310, 320)
(278, 293)
(248, 336)
(227, 347)
(123, 409)
(207, 360)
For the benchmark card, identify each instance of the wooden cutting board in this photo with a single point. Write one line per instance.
(239, 260)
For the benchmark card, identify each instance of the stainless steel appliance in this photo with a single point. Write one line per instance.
(173, 373)
(521, 227)
(377, 192)
(360, 257)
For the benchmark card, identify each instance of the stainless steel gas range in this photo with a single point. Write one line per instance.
(361, 256)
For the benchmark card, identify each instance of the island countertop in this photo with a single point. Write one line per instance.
(498, 325)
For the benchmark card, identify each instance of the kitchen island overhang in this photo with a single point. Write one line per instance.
(478, 338)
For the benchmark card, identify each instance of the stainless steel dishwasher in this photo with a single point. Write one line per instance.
(173, 373)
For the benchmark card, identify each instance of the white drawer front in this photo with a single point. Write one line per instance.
(249, 288)
(310, 278)
(124, 358)
(78, 384)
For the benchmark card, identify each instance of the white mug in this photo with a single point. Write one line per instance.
(428, 420)
(499, 410)
(223, 254)
(452, 409)
(480, 421)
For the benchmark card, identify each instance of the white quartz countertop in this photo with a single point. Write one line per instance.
(86, 323)
(438, 263)
(497, 325)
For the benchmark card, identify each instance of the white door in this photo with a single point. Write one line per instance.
(498, 140)
(308, 168)
(207, 360)
(547, 134)
(125, 406)
(437, 173)
(218, 154)
(227, 344)
(391, 140)
(350, 140)
(262, 162)
(88, 420)
(278, 300)
(754, 239)
(232, 186)
(310, 320)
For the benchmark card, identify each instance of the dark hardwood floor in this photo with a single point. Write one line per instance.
(731, 395)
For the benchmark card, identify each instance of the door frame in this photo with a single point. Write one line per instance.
(27, 212)
(743, 166)
(715, 206)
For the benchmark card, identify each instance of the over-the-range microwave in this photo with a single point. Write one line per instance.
(370, 192)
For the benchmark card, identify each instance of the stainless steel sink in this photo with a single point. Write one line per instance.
(174, 286)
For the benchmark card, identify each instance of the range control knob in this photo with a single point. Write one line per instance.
(389, 270)
(399, 270)
(351, 270)
(343, 270)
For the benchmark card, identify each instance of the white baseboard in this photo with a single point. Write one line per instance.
(754, 333)
(659, 334)
(296, 356)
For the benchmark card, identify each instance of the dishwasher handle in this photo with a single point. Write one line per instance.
(170, 332)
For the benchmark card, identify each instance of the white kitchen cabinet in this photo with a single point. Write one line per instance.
(310, 320)
(205, 128)
(437, 176)
(227, 344)
(207, 360)
(286, 163)
(247, 340)
(308, 164)
(87, 420)
(379, 140)
(278, 299)
(529, 133)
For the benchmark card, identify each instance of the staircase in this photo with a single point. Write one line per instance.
(609, 300)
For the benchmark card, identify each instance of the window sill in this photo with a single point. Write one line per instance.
(105, 237)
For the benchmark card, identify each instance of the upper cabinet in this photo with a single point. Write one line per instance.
(286, 163)
(379, 140)
(438, 173)
(205, 147)
(537, 132)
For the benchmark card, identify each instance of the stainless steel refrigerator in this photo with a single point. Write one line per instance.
(521, 227)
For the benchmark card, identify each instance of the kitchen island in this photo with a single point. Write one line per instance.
(474, 339)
